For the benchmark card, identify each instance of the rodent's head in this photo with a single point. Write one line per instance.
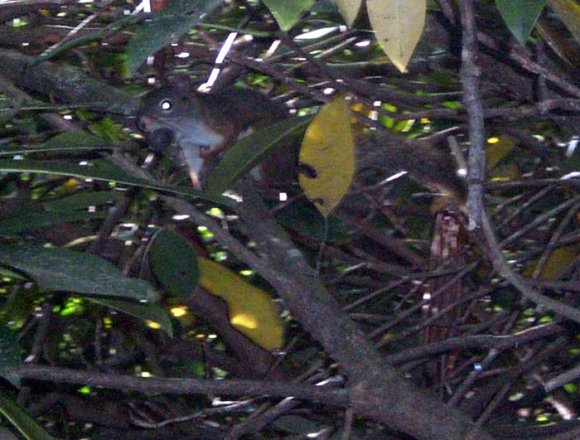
(173, 116)
(166, 107)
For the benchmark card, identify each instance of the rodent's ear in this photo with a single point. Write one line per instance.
(182, 82)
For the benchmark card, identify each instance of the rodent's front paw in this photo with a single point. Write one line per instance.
(160, 138)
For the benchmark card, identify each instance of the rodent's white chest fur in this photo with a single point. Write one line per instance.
(191, 138)
(194, 134)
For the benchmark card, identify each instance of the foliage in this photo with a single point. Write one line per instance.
(110, 262)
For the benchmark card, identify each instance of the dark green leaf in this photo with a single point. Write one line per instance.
(298, 425)
(520, 16)
(249, 151)
(84, 200)
(99, 170)
(307, 221)
(166, 27)
(9, 354)
(9, 348)
(31, 221)
(73, 141)
(72, 271)
(71, 44)
(106, 128)
(146, 312)
(174, 263)
(572, 163)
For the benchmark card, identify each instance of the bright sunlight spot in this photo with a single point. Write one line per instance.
(178, 311)
(243, 320)
(153, 325)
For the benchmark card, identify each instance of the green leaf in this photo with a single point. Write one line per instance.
(249, 151)
(166, 27)
(83, 200)
(571, 164)
(174, 263)
(520, 16)
(287, 13)
(71, 44)
(25, 424)
(108, 129)
(9, 355)
(73, 141)
(309, 223)
(83, 40)
(72, 271)
(149, 313)
(102, 171)
(298, 425)
(9, 350)
(31, 221)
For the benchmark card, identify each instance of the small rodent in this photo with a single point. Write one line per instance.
(205, 125)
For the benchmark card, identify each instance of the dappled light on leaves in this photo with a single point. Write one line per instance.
(404, 319)
(243, 320)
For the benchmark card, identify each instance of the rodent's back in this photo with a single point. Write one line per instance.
(377, 152)
(246, 105)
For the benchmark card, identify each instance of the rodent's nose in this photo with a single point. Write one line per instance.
(144, 122)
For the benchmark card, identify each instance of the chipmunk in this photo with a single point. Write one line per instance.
(206, 125)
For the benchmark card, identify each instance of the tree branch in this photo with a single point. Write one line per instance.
(333, 397)
(471, 96)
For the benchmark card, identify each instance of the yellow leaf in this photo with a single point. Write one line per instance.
(558, 260)
(398, 25)
(251, 310)
(327, 156)
(348, 9)
(497, 149)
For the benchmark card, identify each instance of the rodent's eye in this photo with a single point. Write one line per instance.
(166, 105)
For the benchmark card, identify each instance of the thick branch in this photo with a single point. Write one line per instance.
(67, 84)
(472, 97)
(378, 391)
